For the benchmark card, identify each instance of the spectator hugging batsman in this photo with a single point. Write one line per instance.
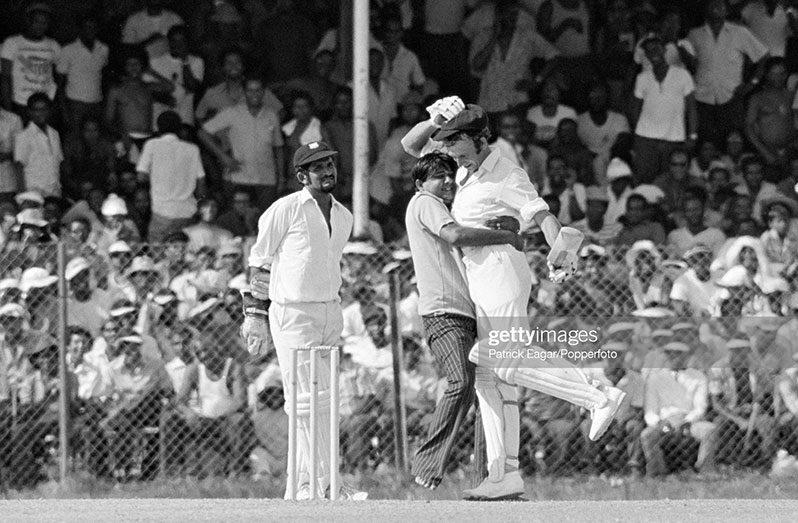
(499, 283)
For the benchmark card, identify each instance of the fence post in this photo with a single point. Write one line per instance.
(399, 415)
(63, 399)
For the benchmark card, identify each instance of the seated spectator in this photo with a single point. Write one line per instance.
(694, 231)
(89, 158)
(119, 256)
(206, 233)
(10, 127)
(578, 157)
(175, 173)
(785, 186)
(786, 341)
(144, 278)
(38, 149)
(780, 240)
(769, 123)
(150, 26)
(675, 413)
(185, 70)
(720, 193)
(231, 258)
(116, 225)
(598, 127)
(562, 182)
(593, 225)
(319, 86)
(173, 262)
(755, 186)
(664, 112)
(619, 176)
(691, 291)
(81, 63)
(241, 220)
(217, 381)
(253, 165)
(735, 152)
(87, 307)
(637, 224)
(304, 126)
(515, 145)
(646, 279)
(548, 115)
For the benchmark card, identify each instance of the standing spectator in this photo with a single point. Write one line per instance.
(516, 147)
(256, 164)
(402, 68)
(772, 22)
(38, 149)
(10, 127)
(82, 63)
(503, 60)
(175, 173)
(149, 27)
(756, 186)
(548, 115)
(206, 233)
(382, 97)
(695, 231)
(341, 139)
(663, 95)
(304, 126)
(721, 49)
(184, 70)
(28, 61)
(230, 92)
(90, 157)
(562, 183)
(319, 85)
(598, 127)
(769, 123)
(678, 51)
(116, 224)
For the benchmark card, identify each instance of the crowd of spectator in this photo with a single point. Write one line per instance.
(147, 137)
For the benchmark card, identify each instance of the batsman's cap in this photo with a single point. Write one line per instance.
(695, 251)
(676, 346)
(662, 333)
(621, 326)
(29, 196)
(472, 119)
(618, 169)
(653, 312)
(75, 267)
(119, 247)
(592, 250)
(617, 346)
(738, 343)
(311, 152)
(596, 193)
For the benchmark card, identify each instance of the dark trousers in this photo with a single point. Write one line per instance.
(652, 157)
(450, 338)
(715, 122)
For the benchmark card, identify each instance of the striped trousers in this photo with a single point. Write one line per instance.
(450, 338)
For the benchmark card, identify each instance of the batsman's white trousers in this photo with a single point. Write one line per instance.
(303, 325)
(500, 283)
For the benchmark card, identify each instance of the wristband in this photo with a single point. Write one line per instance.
(254, 306)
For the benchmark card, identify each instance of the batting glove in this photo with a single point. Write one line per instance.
(255, 329)
(566, 271)
(445, 109)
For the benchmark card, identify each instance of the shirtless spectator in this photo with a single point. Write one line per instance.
(769, 120)
(28, 61)
(149, 27)
(82, 63)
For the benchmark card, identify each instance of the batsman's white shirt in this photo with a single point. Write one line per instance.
(304, 256)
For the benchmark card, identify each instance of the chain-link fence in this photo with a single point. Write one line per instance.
(123, 362)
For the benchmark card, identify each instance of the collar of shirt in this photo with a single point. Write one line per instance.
(487, 166)
(724, 29)
(422, 191)
(305, 196)
(170, 137)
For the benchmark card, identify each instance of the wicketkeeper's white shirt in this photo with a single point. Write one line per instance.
(305, 258)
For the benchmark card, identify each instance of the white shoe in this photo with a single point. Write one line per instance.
(302, 493)
(602, 417)
(347, 493)
(511, 486)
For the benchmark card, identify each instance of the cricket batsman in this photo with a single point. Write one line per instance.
(295, 280)
(500, 283)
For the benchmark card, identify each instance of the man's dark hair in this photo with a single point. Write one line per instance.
(177, 30)
(554, 157)
(430, 163)
(694, 192)
(169, 122)
(752, 159)
(637, 197)
(299, 94)
(38, 97)
(343, 90)
(254, 77)
(135, 52)
(232, 50)
(176, 237)
(76, 329)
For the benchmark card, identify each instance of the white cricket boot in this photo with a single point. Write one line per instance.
(510, 486)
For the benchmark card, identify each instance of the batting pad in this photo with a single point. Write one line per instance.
(555, 377)
(498, 407)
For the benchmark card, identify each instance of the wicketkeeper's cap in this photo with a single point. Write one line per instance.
(311, 152)
(472, 119)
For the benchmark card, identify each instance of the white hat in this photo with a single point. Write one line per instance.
(640, 246)
(13, 310)
(774, 284)
(651, 193)
(119, 246)
(662, 333)
(402, 255)
(617, 169)
(29, 196)
(122, 308)
(676, 346)
(34, 217)
(364, 248)
(653, 312)
(738, 343)
(737, 276)
(684, 326)
(113, 206)
(164, 296)
(201, 308)
(75, 267)
(621, 326)
(230, 247)
(133, 338)
(617, 346)
(9, 283)
(141, 264)
(36, 278)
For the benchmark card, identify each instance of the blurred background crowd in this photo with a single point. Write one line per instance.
(146, 137)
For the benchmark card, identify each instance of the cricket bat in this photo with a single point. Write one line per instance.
(568, 241)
